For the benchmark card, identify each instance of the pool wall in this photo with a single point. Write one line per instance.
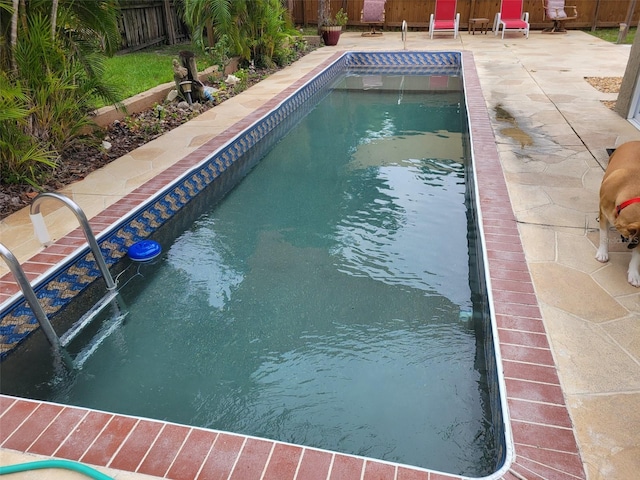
(543, 441)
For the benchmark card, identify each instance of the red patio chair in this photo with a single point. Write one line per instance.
(511, 17)
(445, 18)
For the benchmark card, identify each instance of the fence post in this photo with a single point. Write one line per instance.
(168, 18)
(624, 27)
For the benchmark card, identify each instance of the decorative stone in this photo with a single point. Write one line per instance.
(231, 80)
(172, 95)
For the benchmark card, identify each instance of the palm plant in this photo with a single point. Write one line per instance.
(217, 18)
(255, 29)
(72, 22)
(268, 26)
(60, 92)
(21, 159)
(53, 66)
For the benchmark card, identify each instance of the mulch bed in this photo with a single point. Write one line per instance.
(606, 85)
(78, 162)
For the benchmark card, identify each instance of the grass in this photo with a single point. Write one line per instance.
(139, 71)
(309, 30)
(611, 34)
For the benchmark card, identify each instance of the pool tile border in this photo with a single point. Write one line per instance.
(544, 444)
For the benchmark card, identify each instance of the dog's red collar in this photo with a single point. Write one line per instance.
(626, 204)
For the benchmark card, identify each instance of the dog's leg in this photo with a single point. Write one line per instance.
(633, 274)
(602, 255)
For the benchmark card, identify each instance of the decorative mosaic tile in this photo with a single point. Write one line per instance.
(432, 63)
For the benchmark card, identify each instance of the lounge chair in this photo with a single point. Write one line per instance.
(445, 18)
(373, 14)
(556, 10)
(511, 17)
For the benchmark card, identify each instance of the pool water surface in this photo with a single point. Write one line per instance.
(325, 301)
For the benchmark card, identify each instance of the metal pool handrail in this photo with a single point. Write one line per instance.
(30, 295)
(404, 33)
(43, 235)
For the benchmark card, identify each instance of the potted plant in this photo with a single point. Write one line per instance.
(333, 26)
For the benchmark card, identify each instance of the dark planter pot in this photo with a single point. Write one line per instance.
(331, 35)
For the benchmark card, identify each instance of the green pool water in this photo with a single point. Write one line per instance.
(325, 301)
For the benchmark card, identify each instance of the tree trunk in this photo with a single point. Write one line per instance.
(23, 14)
(211, 41)
(624, 28)
(188, 60)
(14, 35)
(324, 13)
(54, 18)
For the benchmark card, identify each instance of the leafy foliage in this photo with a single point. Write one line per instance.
(340, 19)
(52, 66)
(59, 89)
(51, 75)
(219, 53)
(255, 30)
(21, 159)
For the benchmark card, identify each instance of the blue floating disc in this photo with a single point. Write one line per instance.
(144, 250)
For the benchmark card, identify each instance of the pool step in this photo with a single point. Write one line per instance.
(110, 299)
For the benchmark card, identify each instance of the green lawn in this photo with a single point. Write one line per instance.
(139, 71)
(611, 34)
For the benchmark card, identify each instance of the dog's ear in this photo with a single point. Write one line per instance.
(634, 231)
(610, 151)
(627, 230)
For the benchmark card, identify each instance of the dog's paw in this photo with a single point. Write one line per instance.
(602, 255)
(634, 278)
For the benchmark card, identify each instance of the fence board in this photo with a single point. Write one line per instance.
(143, 23)
(610, 13)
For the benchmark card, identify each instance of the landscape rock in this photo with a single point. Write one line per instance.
(172, 95)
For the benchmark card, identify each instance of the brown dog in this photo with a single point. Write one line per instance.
(620, 205)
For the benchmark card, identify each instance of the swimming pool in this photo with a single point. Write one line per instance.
(528, 428)
(57, 289)
(326, 301)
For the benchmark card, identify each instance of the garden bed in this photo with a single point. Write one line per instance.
(124, 134)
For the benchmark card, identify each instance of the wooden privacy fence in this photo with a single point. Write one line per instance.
(144, 23)
(591, 13)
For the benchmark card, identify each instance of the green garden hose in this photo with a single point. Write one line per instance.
(64, 464)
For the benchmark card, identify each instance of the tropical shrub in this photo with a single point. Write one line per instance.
(219, 54)
(59, 90)
(21, 159)
(243, 76)
(51, 76)
(268, 28)
(255, 30)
